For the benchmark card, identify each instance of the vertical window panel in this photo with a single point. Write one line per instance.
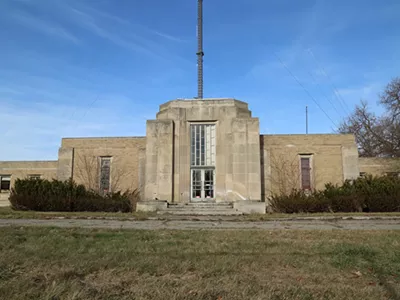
(305, 173)
(202, 145)
(105, 175)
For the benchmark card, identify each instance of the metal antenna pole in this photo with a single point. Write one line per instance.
(200, 52)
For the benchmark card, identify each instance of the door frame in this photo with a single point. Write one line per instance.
(202, 170)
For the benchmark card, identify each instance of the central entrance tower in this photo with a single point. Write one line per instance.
(200, 150)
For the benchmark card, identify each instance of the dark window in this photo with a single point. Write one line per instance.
(5, 182)
(105, 168)
(305, 173)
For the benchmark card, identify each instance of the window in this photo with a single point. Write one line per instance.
(202, 161)
(105, 174)
(202, 145)
(34, 176)
(305, 169)
(5, 182)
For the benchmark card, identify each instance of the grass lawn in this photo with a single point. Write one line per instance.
(55, 263)
(9, 213)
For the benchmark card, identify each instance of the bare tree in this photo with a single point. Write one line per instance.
(88, 173)
(285, 173)
(391, 97)
(377, 136)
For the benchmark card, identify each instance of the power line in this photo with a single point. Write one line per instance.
(304, 88)
(325, 95)
(343, 103)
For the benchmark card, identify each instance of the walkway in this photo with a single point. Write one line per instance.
(372, 224)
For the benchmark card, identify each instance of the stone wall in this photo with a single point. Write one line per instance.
(237, 150)
(22, 169)
(79, 158)
(334, 158)
(379, 165)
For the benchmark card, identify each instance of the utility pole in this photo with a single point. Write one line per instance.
(306, 119)
(200, 52)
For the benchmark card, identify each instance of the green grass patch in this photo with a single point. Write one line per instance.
(55, 263)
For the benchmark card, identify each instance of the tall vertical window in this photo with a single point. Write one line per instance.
(202, 161)
(5, 183)
(305, 169)
(105, 174)
(202, 145)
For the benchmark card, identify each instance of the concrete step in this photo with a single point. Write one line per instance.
(228, 212)
(202, 204)
(200, 208)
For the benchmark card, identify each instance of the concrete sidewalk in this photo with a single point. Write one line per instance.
(277, 224)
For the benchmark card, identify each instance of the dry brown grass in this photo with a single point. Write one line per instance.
(54, 263)
(9, 213)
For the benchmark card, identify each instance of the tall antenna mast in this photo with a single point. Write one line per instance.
(200, 52)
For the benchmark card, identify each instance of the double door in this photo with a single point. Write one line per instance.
(202, 184)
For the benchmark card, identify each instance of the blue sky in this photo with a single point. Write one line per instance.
(75, 68)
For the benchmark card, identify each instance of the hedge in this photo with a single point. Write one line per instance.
(55, 195)
(365, 194)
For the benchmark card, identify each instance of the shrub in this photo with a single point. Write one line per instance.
(343, 198)
(369, 194)
(382, 194)
(299, 202)
(44, 195)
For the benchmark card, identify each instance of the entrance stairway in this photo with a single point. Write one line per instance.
(201, 209)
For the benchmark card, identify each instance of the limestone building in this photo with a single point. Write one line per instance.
(208, 150)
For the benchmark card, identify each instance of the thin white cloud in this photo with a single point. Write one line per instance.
(90, 23)
(122, 33)
(45, 27)
(167, 36)
(140, 27)
(366, 92)
(41, 125)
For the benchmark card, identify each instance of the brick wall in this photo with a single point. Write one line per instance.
(281, 161)
(22, 169)
(379, 165)
(124, 153)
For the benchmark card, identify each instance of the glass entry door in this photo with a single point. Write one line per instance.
(202, 184)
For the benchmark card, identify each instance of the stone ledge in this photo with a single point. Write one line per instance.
(250, 207)
(151, 206)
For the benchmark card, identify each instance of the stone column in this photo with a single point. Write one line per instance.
(246, 159)
(159, 160)
(350, 162)
(65, 164)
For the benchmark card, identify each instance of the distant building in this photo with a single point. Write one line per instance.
(201, 150)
